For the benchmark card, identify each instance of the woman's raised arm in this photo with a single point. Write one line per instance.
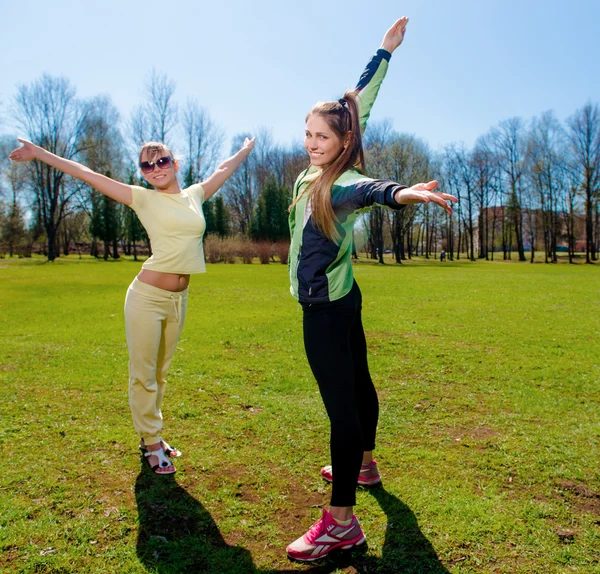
(226, 169)
(394, 36)
(370, 80)
(118, 191)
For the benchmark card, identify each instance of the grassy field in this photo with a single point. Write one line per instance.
(489, 436)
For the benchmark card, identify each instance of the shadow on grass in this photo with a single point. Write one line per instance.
(406, 549)
(177, 534)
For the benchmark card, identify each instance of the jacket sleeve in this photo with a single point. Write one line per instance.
(366, 192)
(369, 84)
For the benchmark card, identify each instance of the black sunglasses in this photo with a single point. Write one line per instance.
(163, 163)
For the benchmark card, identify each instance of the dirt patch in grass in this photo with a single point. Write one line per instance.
(227, 474)
(8, 367)
(9, 555)
(460, 434)
(580, 497)
(252, 409)
(483, 433)
(298, 512)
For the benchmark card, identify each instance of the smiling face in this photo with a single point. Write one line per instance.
(320, 142)
(159, 178)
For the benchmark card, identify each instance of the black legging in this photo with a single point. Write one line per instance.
(337, 353)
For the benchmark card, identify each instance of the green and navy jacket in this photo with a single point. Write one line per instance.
(321, 269)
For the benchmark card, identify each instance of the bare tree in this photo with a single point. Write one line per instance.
(546, 169)
(102, 150)
(241, 191)
(409, 162)
(509, 143)
(405, 159)
(156, 118)
(376, 138)
(203, 142)
(262, 157)
(451, 180)
(568, 204)
(378, 134)
(14, 177)
(287, 164)
(139, 132)
(73, 229)
(484, 166)
(463, 168)
(497, 210)
(51, 117)
(447, 225)
(584, 133)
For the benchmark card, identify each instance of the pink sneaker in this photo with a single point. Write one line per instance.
(368, 476)
(324, 536)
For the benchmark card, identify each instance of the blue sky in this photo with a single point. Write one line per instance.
(464, 65)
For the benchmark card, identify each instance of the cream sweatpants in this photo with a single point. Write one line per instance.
(154, 319)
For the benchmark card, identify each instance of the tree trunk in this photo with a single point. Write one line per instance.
(51, 238)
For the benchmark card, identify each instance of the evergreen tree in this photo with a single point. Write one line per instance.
(189, 179)
(134, 232)
(208, 208)
(12, 227)
(133, 229)
(270, 218)
(221, 217)
(104, 222)
(257, 223)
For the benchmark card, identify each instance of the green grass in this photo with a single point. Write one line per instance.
(489, 437)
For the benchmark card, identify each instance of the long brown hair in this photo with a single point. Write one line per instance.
(342, 117)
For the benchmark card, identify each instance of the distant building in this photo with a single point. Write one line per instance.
(496, 216)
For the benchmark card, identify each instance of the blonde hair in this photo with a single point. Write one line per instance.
(153, 149)
(343, 119)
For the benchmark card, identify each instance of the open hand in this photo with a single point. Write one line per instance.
(26, 152)
(394, 36)
(423, 193)
(248, 144)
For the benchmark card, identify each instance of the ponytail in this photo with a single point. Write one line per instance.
(342, 117)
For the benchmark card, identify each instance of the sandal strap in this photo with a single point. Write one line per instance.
(163, 461)
(170, 450)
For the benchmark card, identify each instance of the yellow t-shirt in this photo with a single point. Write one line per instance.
(175, 225)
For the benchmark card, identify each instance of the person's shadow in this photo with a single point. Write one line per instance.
(177, 534)
(405, 549)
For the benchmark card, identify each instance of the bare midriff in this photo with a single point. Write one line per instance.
(168, 281)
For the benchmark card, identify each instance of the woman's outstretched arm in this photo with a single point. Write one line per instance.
(118, 191)
(366, 192)
(226, 169)
(423, 193)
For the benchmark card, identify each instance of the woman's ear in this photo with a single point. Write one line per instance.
(348, 138)
(176, 165)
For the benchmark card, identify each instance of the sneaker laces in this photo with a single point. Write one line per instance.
(315, 530)
(369, 468)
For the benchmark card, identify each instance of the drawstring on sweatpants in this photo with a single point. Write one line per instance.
(177, 306)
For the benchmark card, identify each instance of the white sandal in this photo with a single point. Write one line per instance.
(164, 466)
(169, 450)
